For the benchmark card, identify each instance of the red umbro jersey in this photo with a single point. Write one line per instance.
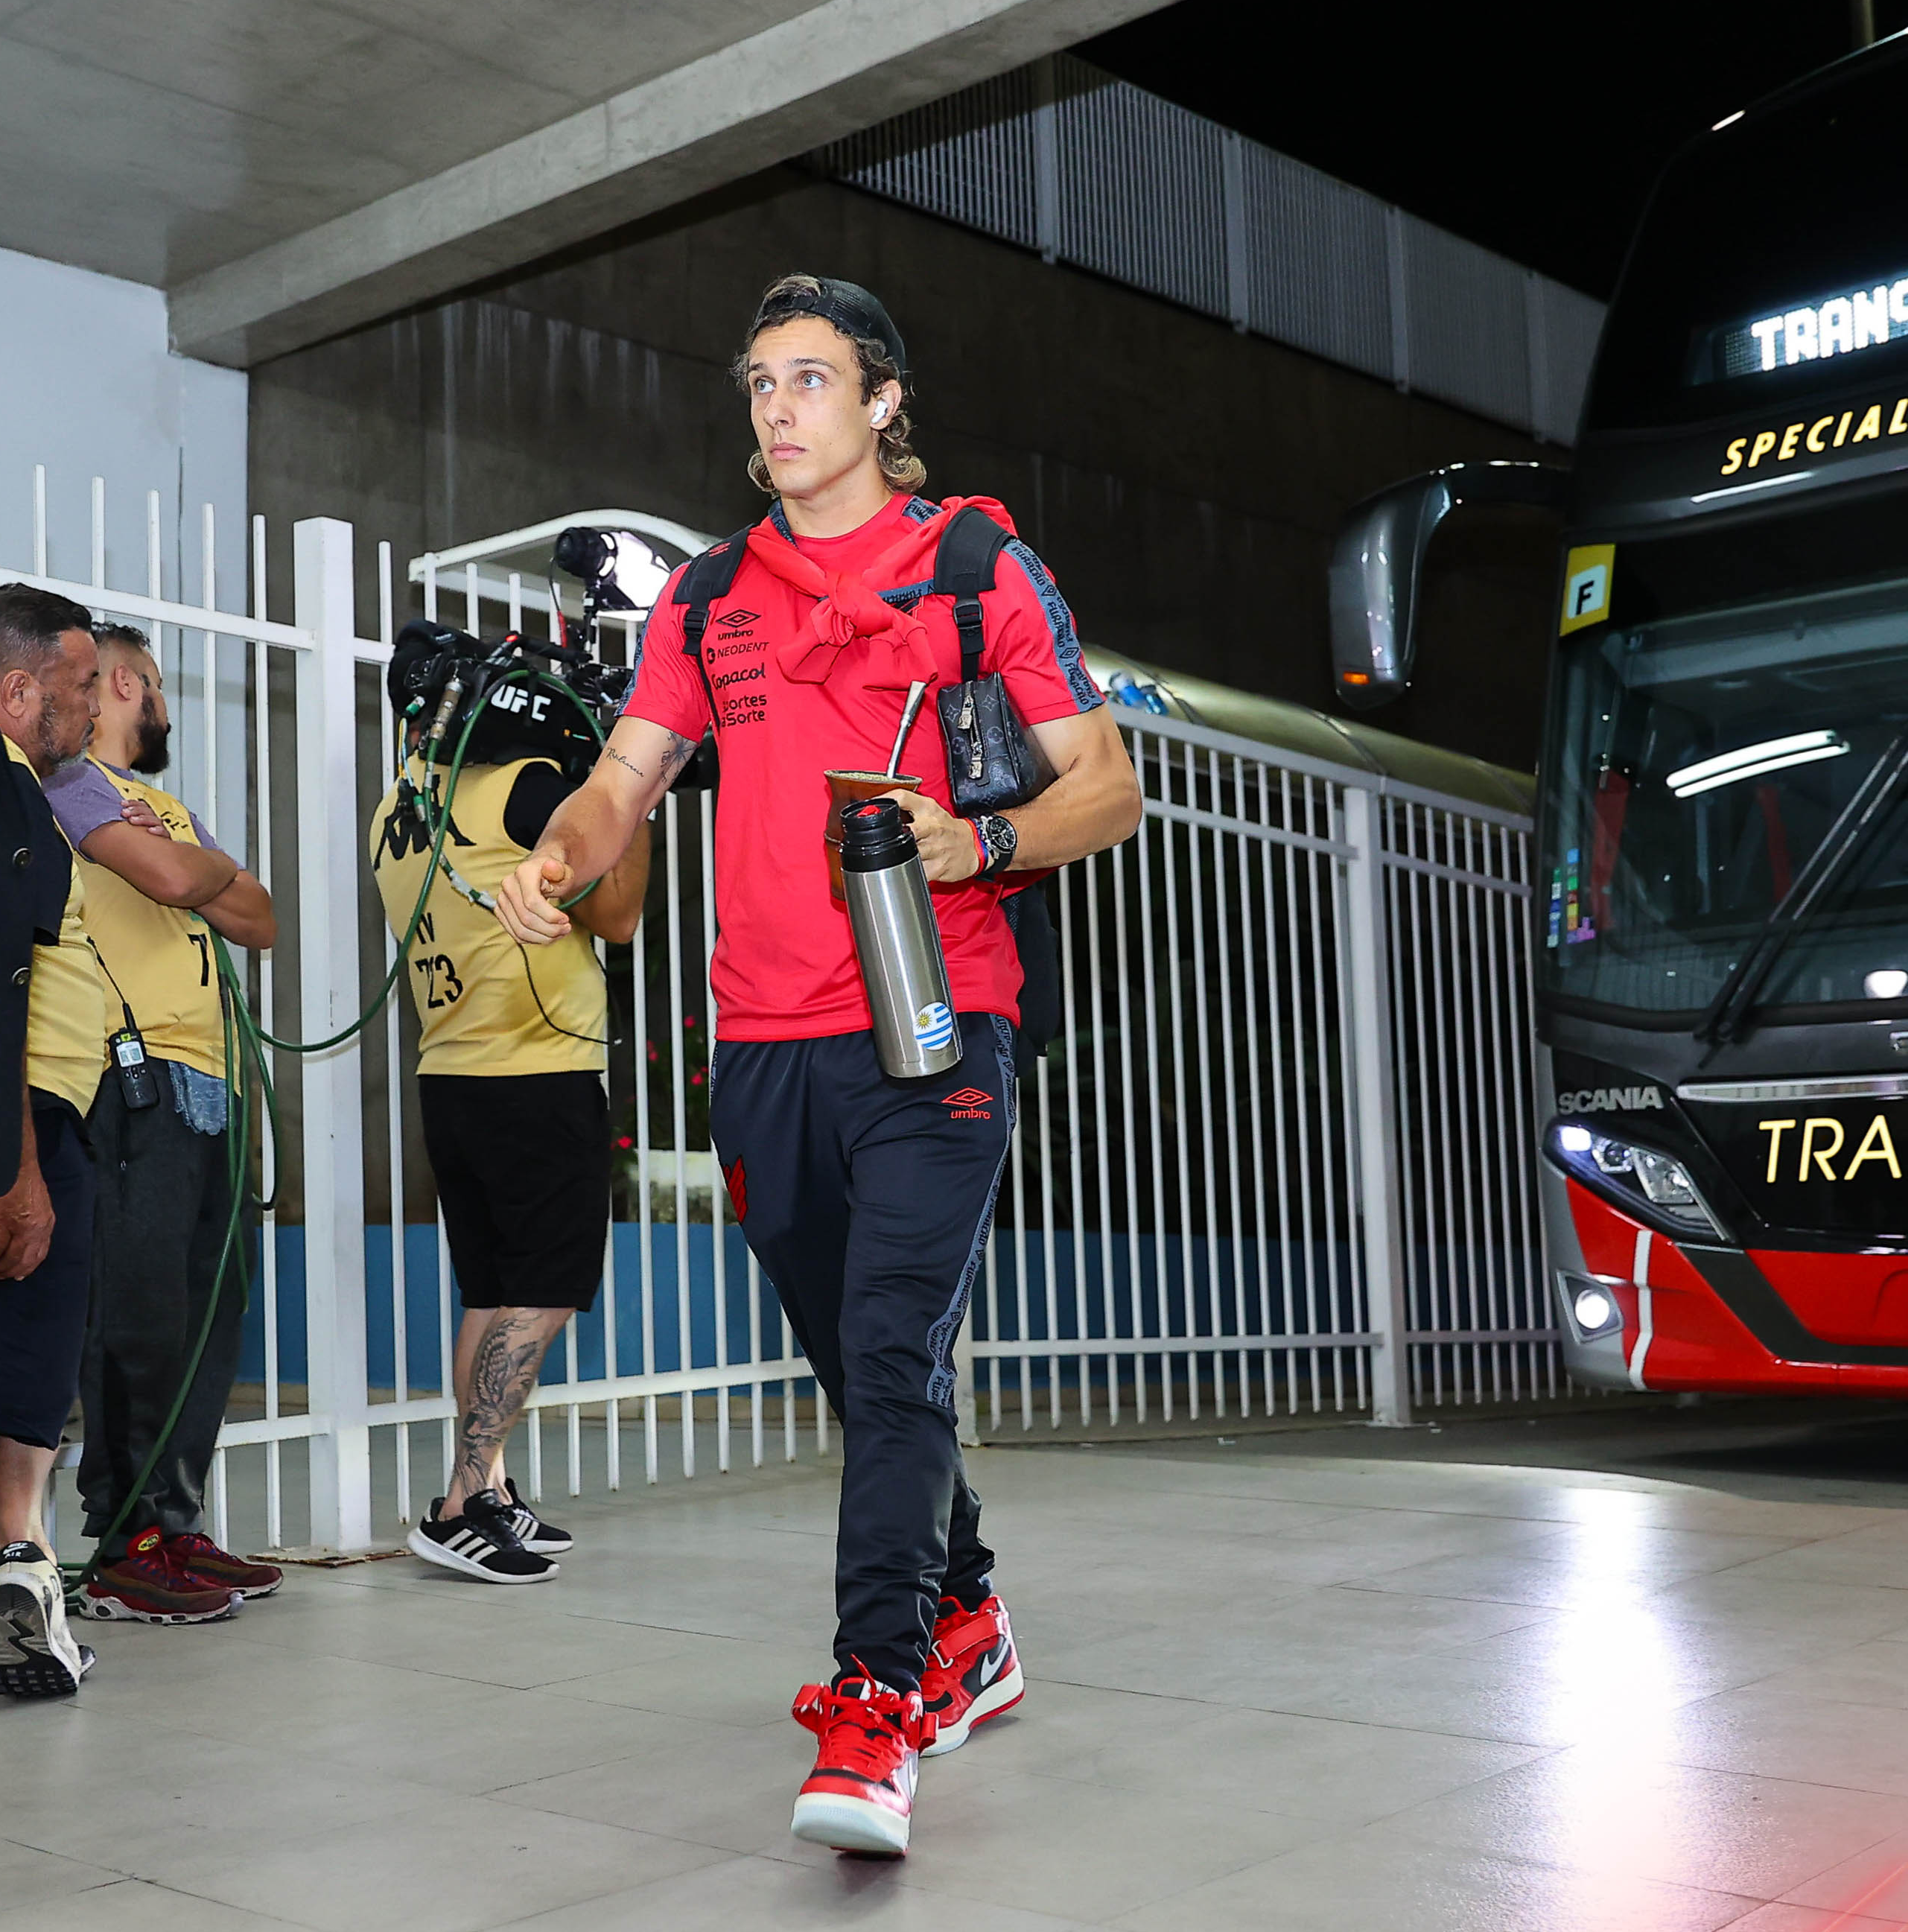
(784, 963)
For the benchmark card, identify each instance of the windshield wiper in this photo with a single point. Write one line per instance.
(1728, 1016)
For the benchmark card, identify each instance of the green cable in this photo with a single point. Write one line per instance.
(237, 1147)
(430, 871)
(436, 865)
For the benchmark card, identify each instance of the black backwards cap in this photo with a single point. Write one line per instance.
(846, 305)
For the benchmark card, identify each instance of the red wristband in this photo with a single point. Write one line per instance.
(980, 848)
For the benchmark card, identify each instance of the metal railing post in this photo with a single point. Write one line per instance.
(1046, 161)
(1397, 282)
(1238, 244)
(1537, 336)
(1368, 963)
(327, 892)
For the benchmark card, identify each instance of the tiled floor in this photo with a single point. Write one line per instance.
(1293, 1687)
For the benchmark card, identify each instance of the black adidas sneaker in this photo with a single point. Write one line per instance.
(545, 1538)
(482, 1542)
(38, 1657)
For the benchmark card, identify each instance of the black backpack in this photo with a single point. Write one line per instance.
(964, 567)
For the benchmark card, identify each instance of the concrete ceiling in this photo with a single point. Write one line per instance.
(290, 168)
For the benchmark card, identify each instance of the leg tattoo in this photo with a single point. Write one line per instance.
(502, 1373)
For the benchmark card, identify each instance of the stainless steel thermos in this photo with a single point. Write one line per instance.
(898, 943)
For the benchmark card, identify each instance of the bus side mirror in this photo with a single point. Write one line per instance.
(1379, 557)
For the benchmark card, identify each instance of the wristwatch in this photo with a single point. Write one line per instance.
(999, 840)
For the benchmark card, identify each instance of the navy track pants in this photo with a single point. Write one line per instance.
(42, 1319)
(867, 1202)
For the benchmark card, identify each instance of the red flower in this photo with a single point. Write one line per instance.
(625, 1142)
(697, 1078)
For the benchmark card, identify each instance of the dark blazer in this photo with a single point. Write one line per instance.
(36, 872)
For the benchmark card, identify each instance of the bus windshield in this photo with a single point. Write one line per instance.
(1701, 745)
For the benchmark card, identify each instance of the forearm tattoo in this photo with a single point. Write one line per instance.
(676, 754)
(502, 1373)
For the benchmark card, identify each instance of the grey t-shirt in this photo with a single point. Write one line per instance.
(83, 799)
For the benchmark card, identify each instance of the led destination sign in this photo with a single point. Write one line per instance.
(1841, 326)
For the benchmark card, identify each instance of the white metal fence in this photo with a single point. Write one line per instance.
(1061, 157)
(1278, 1159)
(1457, 917)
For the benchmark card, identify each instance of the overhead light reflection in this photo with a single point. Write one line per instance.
(1610, 1682)
(1749, 761)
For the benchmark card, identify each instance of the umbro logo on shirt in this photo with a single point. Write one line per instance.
(968, 1105)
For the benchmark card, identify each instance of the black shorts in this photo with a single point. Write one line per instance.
(523, 1167)
(42, 1319)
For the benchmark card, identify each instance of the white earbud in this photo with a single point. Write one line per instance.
(879, 416)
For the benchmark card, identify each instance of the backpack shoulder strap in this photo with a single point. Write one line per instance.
(706, 579)
(964, 567)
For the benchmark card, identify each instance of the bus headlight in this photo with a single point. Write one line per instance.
(1634, 1176)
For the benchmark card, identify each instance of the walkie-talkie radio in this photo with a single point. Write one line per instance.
(138, 1083)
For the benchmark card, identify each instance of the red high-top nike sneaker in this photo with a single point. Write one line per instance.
(860, 1796)
(973, 1672)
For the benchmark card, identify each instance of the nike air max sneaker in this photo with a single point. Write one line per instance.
(220, 1569)
(482, 1542)
(973, 1672)
(38, 1657)
(860, 1796)
(545, 1538)
(149, 1586)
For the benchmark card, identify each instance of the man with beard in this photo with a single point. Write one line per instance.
(158, 887)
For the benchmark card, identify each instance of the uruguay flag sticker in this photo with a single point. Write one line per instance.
(933, 1026)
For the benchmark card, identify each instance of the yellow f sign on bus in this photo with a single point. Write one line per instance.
(1587, 573)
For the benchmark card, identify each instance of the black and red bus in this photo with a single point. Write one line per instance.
(1721, 903)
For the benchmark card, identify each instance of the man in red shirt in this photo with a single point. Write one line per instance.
(867, 1199)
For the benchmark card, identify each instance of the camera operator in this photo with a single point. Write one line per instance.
(867, 1198)
(49, 666)
(510, 1088)
(158, 887)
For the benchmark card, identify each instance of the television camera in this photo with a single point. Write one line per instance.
(549, 697)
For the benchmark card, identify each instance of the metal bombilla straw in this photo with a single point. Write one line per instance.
(910, 711)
